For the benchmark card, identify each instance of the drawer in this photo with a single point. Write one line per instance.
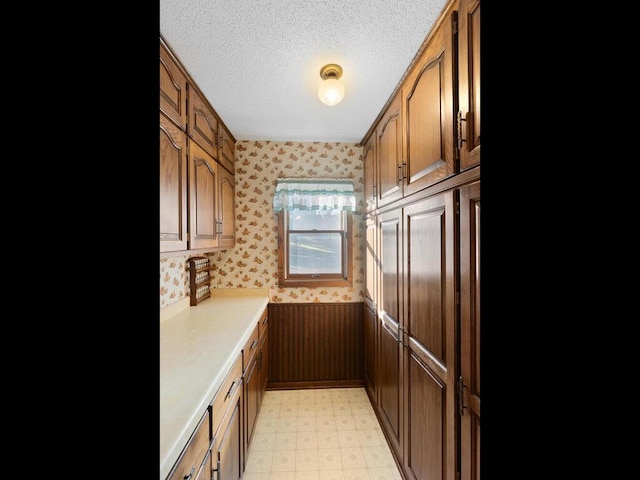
(224, 397)
(263, 323)
(250, 348)
(194, 453)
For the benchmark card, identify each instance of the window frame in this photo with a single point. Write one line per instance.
(285, 279)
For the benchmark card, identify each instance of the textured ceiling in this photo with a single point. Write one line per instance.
(258, 61)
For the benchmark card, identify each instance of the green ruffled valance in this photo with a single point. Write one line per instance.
(314, 194)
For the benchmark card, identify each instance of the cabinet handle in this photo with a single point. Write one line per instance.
(231, 388)
(254, 344)
(188, 477)
(461, 386)
(399, 173)
(468, 119)
(217, 469)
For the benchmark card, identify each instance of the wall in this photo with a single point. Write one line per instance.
(253, 263)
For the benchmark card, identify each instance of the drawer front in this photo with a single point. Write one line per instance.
(250, 348)
(225, 395)
(194, 453)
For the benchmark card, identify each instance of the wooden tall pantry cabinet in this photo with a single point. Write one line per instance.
(422, 220)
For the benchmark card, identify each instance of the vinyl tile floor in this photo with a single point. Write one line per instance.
(319, 434)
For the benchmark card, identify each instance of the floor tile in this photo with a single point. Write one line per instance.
(319, 434)
(284, 461)
(285, 441)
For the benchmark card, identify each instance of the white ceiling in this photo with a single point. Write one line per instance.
(258, 61)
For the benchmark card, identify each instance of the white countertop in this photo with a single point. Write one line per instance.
(198, 346)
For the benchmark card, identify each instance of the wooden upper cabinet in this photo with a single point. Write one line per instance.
(173, 88)
(203, 124)
(226, 150)
(427, 96)
(389, 139)
(468, 117)
(173, 187)
(369, 164)
(226, 209)
(203, 198)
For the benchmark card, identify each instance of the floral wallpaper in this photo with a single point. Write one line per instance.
(253, 263)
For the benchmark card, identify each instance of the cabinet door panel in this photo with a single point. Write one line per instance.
(390, 385)
(370, 345)
(369, 162)
(173, 89)
(427, 414)
(229, 447)
(425, 236)
(469, 83)
(470, 331)
(203, 173)
(390, 248)
(251, 399)
(227, 150)
(428, 110)
(430, 286)
(203, 125)
(389, 132)
(264, 365)
(226, 211)
(173, 187)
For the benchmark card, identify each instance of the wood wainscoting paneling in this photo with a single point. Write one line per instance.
(315, 345)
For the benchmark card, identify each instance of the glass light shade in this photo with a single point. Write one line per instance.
(331, 91)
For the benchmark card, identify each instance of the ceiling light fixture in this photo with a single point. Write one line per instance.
(331, 91)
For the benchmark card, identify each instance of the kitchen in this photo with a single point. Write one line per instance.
(251, 267)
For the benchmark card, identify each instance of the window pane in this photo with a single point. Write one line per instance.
(315, 253)
(315, 220)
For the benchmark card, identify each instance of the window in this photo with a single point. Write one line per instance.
(314, 232)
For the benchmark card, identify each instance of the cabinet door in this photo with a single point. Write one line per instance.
(173, 187)
(203, 125)
(371, 260)
(228, 447)
(263, 364)
(469, 382)
(389, 140)
(390, 395)
(205, 472)
(428, 114)
(429, 236)
(173, 88)
(252, 386)
(203, 198)
(226, 209)
(469, 83)
(369, 167)
(370, 344)
(370, 316)
(226, 149)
